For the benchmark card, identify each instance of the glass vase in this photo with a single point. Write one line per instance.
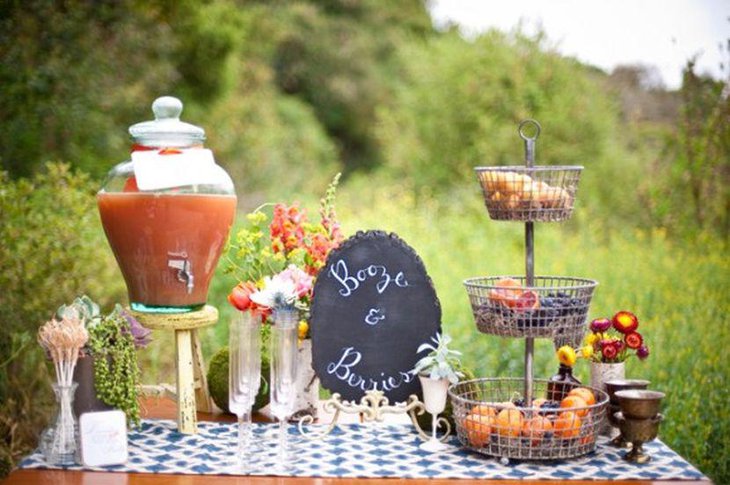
(283, 341)
(59, 441)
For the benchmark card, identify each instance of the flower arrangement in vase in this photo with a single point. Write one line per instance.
(610, 343)
(279, 260)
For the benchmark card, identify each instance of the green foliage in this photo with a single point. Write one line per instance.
(51, 249)
(73, 76)
(116, 374)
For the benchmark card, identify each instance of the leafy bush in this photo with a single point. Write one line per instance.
(51, 249)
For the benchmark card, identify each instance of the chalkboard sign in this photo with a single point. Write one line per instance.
(373, 306)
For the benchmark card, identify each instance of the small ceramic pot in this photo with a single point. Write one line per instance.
(85, 400)
(434, 394)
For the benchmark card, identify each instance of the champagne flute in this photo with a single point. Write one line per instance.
(244, 378)
(284, 339)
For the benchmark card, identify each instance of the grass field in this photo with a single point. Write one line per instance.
(678, 290)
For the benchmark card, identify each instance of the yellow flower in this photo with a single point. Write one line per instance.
(303, 329)
(587, 351)
(566, 355)
(592, 338)
(256, 217)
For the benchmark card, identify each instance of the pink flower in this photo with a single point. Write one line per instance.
(302, 281)
(600, 325)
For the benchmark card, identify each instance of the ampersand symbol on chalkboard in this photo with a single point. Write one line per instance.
(374, 316)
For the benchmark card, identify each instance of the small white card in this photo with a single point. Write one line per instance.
(103, 438)
(195, 166)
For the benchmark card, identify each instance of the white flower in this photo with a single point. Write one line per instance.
(277, 293)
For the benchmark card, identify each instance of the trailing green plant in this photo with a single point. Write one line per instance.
(113, 342)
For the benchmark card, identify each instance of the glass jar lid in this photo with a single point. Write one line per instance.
(166, 130)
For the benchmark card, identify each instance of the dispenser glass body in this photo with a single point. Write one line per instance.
(167, 214)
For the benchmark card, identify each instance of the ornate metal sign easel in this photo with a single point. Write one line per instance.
(373, 406)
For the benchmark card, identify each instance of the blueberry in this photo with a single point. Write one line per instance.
(548, 302)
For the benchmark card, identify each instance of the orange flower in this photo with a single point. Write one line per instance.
(625, 322)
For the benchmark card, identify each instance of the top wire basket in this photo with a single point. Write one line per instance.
(529, 194)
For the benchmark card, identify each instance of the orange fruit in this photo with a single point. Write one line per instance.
(585, 393)
(477, 429)
(506, 405)
(567, 425)
(507, 292)
(575, 402)
(483, 410)
(536, 428)
(509, 422)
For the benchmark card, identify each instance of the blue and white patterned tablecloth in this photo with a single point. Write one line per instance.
(377, 451)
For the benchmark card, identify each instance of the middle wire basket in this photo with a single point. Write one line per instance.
(492, 418)
(554, 307)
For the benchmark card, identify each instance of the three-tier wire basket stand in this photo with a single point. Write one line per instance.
(487, 419)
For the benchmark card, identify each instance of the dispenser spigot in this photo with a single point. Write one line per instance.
(184, 269)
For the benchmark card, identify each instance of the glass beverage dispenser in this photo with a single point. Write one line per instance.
(167, 213)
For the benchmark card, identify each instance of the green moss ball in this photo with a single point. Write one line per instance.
(218, 381)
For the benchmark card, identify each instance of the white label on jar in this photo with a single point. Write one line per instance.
(168, 168)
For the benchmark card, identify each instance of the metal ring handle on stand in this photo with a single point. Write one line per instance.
(529, 140)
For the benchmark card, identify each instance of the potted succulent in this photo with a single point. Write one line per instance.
(437, 371)
(107, 373)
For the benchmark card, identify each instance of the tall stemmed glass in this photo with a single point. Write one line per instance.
(284, 375)
(244, 378)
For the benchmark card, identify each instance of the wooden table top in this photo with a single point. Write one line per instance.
(165, 409)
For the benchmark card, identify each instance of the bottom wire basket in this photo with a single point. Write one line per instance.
(492, 418)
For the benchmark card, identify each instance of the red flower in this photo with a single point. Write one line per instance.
(634, 340)
(240, 296)
(625, 322)
(286, 228)
(609, 352)
(240, 299)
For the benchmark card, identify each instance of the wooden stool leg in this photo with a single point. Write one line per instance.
(186, 418)
(202, 396)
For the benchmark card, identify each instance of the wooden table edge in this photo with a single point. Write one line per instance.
(164, 408)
